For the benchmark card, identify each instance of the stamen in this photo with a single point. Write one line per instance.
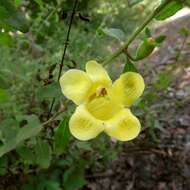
(101, 92)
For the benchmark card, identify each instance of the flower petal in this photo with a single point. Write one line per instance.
(103, 108)
(97, 73)
(129, 87)
(124, 126)
(83, 125)
(75, 85)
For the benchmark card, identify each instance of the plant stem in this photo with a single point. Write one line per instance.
(136, 33)
(52, 118)
(64, 51)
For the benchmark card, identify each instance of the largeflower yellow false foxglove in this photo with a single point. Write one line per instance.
(102, 106)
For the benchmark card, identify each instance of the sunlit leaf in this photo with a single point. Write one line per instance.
(18, 2)
(4, 97)
(169, 10)
(145, 48)
(5, 39)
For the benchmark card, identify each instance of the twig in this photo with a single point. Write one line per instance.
(52, 118)
(65, 49)
(136, 33)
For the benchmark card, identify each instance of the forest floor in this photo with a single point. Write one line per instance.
(163, 164)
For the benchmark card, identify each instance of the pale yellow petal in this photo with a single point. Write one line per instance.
(76, 85)
(83, 125)
(124, 126)
(97, 73)
(103, 108)
(128, 88)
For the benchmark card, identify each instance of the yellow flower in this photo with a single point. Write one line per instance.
(102, 106)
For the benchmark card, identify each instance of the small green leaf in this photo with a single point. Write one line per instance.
(145, 48)
(114, 33)
(18, 2)
(40, 3)
(62, 136)
(6, 39)
(18, 135)
(132, 3)
(169, 10)
(3, 165)
(4, 97)
(43, 153)
(129, 67)
(160, 39)
(49, 91)
(26, 154)
(32, 129)
(148, 32)
(74, 177)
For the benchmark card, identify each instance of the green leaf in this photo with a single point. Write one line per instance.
(11, 18)
(62, 136)
(32, 129)
(26, 154)
(4, 97)
(8, 127)
(3, 165)
(52, 90)
(52, 185)
(18, 2)
(145, 48)
(148, 32)
(21, 134)
(3, 82)
(43, 153)
(74, 177)
(160, 39)
(169, 10)
(114, 33)
(131, 3)
(129, 67)
(40, 3)
(5, 39)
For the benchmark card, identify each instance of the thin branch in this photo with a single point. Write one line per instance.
(52, 118)
(136, 33)
(67, 39)
(65, 49)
